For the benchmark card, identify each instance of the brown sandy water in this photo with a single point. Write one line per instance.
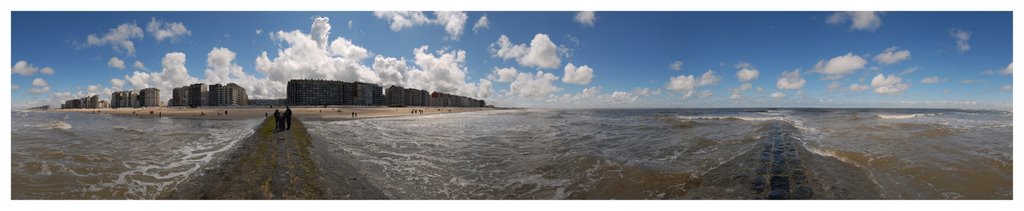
(681, 153)
(87, 156)
(551, 154)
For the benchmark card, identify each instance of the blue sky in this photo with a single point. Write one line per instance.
(844, 59)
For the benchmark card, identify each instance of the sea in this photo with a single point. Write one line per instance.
(549, 153)
(70, 155)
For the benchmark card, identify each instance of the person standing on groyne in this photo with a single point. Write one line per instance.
(288, 117)
(277, 120)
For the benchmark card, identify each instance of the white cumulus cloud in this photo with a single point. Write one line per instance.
(644, 91)
(39, 82)
(116, 63)
(541, 53)
(892, 55)
(859, 20)
(1008, 70)
(578, 75)
(39, 90)
(120, 38)
(503, 74)
(962, 38)
(445, 72)
(138, 65)
(452, 21)
(26, 69)
(932, 80)
(709, 78)
(686, 84)
(839, 66)
(173, 74)
(747, 72)
(791, 80)
(402, 19)
(167, 30)
(586, 18)
(391, 71)
(481, 23)
(778, 95)
(890, 85)
(534, 86)
(738, 91)
(683, 84)
(676, 65)
(118, 83)
(305, 57)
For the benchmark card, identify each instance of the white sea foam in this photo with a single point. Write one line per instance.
(743, 118)
(56, 125)
(902, 116)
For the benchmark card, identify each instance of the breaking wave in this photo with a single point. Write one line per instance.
(902, 116)
(56, 125)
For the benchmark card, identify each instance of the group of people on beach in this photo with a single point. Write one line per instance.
(283, 121)
(416, 111)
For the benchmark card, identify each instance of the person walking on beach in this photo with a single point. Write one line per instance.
(277, 120)
(288, 117)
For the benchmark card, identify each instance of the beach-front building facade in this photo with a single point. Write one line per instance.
(234, 95)
(377, 92)
(400, 96)
(395, 96)
(124, 99)
(327, 92)
(197, 95)
(227, 95)
(314, 92)
(367, 94)
(179, 97)
(149, 97)
(85, 102)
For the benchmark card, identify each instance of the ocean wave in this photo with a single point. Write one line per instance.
(55, 125)
(733, 118)
(902, 116)
(128, 130)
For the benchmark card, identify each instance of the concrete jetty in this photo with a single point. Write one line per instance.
(777, 166)
(278, 165)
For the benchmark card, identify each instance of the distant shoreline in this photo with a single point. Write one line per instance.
(252, 112)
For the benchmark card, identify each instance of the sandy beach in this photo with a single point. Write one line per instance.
(250, 112)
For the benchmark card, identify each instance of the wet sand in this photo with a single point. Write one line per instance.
(278, 165)
(307, 113)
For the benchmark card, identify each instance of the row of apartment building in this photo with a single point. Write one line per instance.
(327, 92)
(300, 92)
(400, 96)
(148, 97)
(198, 95)
(194, 95)
(85, 102)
